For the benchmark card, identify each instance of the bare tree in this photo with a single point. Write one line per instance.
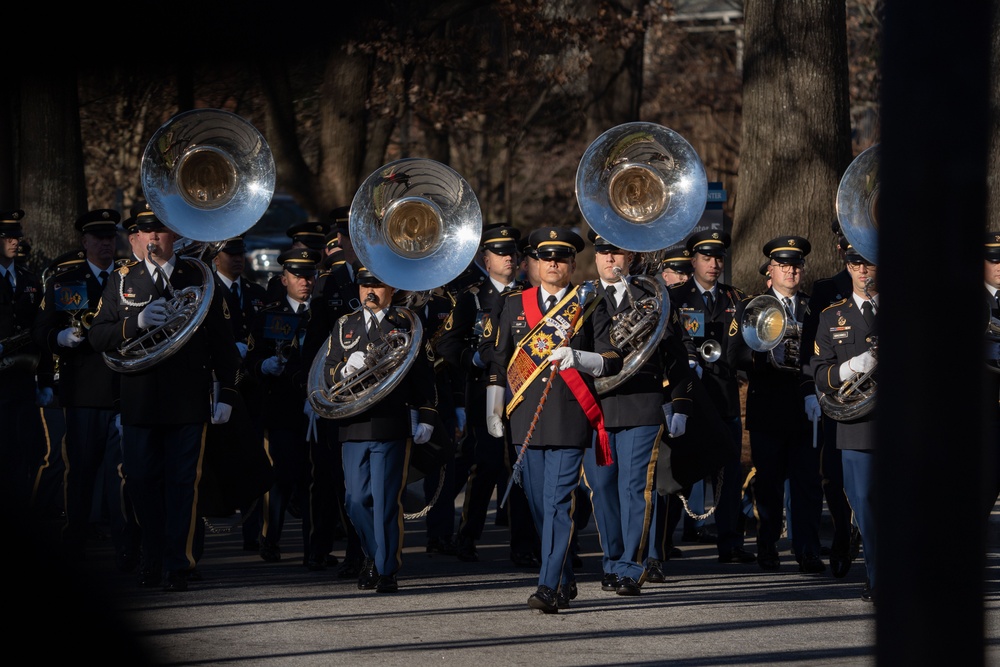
(796, 130)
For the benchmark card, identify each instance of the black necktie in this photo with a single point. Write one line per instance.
(789, 307)
(613, 294)
(102, 277)
(550, 303)
(161, 281)
(996, 297)
(709, 301)
(372, 328)
(234, 289)
(8, 285)
(866, 310)
(299, 309)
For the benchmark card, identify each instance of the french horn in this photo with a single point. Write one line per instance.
(416, 225)
(208, 175)
(643, 187)
(766, 325)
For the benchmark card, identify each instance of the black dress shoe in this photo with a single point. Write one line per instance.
(565, 593)
(609, 582)
(386, 583)
(868, 593)
(150, 577)
(544, 600)
(674, 552)
(331, 560)
(251, 545)
(627, 586)
(350, 568)
(654, 571)
(768, 560)
(177, 581)
(368, 578)
(811, 564)
(270, 552)
(840, 565)
(522, 559)
(194, 574)
(467, 550)
(436, 545)
(737, 555)
(699, 535)
(316, 563)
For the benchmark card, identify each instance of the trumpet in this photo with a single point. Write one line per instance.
(81, 321)
(710, 351)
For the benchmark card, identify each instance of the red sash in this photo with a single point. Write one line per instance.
(586, 398)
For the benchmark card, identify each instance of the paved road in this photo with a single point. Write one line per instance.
(248, 612)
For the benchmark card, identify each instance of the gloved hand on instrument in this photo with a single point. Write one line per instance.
(421, 432)
(154, 314)
(44, 396)
(242, 349)
(69, 337)
(272, 366)
(222, 413)
(678, 425)
(696, 367)
(859, 364)
(566, 357)
(355, 363)
(813, 411)
(494, 410)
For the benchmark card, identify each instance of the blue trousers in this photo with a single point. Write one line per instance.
(622, 495)
(374, 477)
(859, 483)
(550, 478)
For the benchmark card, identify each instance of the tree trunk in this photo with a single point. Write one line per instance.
(52, 191)
(796, 133)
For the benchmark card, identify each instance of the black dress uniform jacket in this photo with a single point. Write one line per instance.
(841, 334)
(774, 396)
(719, 377)
(84, 379)
(17, 315)
(282, 397)
(333, 295)
(664, 377)
(562, 423)
(388, 418)
(177, 390)
(825, 292)
(242, 311)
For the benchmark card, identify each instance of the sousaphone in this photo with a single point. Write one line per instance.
(208, 175)
(643, 187)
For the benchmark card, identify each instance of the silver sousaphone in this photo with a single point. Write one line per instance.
(416, 225)
(208, 175)
(643, 187)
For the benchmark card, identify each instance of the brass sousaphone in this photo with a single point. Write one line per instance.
(416, 225)
(208, 175)
(643, 187)
(857, 211)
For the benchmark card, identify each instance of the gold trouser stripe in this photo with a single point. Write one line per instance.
(189, 544)
(45, 459)
(399, 503)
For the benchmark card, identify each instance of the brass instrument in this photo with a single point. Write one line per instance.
(643, 187)
(766, 325)
(14, 355)
(710, 351)
(856, 396)
(638, 331)
(208, 175)
(857, 203)
(416, 224)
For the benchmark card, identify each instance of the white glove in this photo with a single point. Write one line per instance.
(355, 362)
(668, 412)
(590, 363)
(862, 363)
(422, 434)
(154, 314)
(678, 425)
(43, 396)
(494, 410)
(118, 425)
(460, 419)
(813, 411)
(272, 366)
(696, 367)
(69, 337)
(242, 348)
(222, 413)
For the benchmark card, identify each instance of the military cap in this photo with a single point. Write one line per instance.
(851, 255)
(555, 242)
(312, 234)
(362, 276)
(525, 249)
(99, 222)
(332, 240)
(710, 242)
(145, 219)
(501, 239)
(787, 250)
(340, 219)
(764, 268)
(601, 244)
(300, 261)
(234, 246)
(678, 258)
(992, 248)
(10, 224)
